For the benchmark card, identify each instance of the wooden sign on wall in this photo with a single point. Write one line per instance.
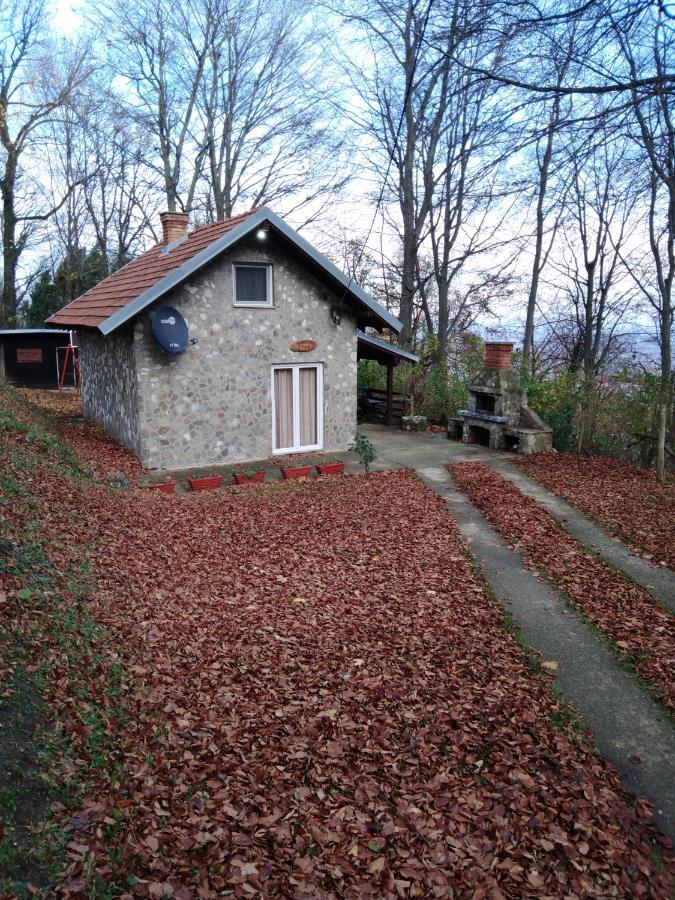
(29, 354)
(302, 346)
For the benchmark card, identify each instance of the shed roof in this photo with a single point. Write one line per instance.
(127, 292)
(20, 331)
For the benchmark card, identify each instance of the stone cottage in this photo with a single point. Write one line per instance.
(266, 366)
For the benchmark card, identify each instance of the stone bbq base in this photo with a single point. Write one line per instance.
(496, 436)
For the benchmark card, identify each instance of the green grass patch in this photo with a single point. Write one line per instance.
(51, 635)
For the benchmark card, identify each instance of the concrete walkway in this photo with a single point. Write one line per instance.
(630, 729)
(657, 581)
(397, 448)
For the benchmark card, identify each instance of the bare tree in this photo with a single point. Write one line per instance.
(647, 45)
(468, 205)
(601, 72)
(36, 84)
(438, 136)
(368, 266)
(403, 89)
(601, 205)
(160, 50)
(545, 210)
(68, 224)
(264, 127)
(122, 204)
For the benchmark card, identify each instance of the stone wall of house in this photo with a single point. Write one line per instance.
(212, 404)
(109, 386)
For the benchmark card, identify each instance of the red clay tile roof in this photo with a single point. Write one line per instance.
(129, 282)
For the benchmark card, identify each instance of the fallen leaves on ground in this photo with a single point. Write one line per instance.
(61, 404)
(100, 454)
(629, 501)
(323, 703)
(637, 625)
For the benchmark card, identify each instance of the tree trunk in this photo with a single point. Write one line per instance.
(528, 338)
(589, 362)
(661, 442)
(666, 386)
(10, 255)
(407, 189)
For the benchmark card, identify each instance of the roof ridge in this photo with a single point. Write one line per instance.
(221, 222)
(125, 293)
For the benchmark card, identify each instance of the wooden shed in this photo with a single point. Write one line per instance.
(34, 357)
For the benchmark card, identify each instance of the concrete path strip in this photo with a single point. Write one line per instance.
(397, 448)
(659, 582)
(630, 729)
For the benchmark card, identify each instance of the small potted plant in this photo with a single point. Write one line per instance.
(251, 476)
(298, 470)
(205, 482)
(166, 487)
(337, 467)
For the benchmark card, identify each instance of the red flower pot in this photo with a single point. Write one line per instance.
(165, 486)
(243, 478)
(336, 468)
(295, 471)
(205, 484)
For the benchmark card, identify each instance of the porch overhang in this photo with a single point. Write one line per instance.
(386, 354)
(370, 347)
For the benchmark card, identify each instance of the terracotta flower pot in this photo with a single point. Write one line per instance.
(167, 487)
(243, 478)
(205, 483)
(336, 468)
(289, 472)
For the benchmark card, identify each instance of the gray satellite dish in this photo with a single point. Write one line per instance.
(170, 329)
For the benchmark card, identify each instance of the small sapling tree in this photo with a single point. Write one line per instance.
(364, 450)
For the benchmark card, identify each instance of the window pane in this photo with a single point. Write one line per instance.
(283, 408)
(251, 284)
(308, 422)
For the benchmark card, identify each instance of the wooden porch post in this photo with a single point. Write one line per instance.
(390, 393)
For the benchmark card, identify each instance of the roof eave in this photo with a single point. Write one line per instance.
(387, 348)
(173, 279)
(382, 314)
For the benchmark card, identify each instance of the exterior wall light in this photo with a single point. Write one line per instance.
(261, 234)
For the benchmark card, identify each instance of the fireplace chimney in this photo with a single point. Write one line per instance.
(174, 226)
(498, 356)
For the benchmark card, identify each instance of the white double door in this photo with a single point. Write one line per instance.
(297, 408)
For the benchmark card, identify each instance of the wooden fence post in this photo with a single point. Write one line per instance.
(390, 393)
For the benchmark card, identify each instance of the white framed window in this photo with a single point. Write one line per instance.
(297, 408)
(252, 284)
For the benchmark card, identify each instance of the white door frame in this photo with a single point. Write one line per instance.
(297, 448)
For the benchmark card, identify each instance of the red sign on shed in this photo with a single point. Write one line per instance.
(29, 354)
(303, 346)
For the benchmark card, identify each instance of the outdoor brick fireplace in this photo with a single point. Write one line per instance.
(498, 416)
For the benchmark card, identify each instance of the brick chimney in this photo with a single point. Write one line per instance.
(498, 356)
(174, 226)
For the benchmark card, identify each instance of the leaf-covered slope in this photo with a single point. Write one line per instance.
(321, 701)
